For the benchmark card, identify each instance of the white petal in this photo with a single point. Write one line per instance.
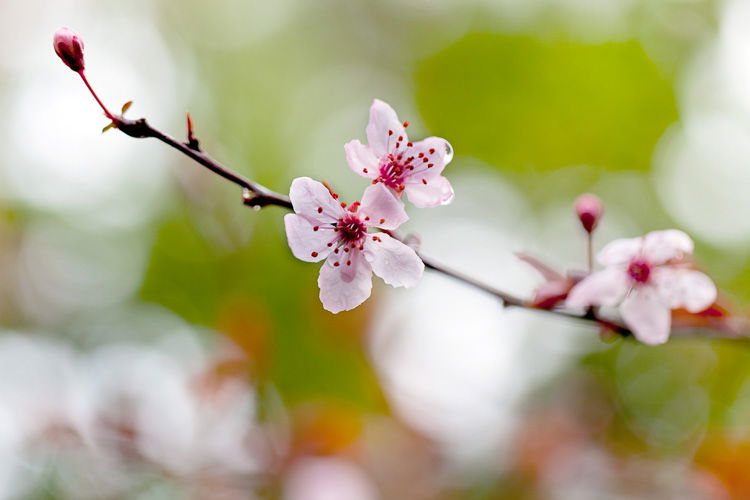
(395, 262)
(383, 208)
(662, 246)
(383, 119)
(686, 288)
(620, 251)
(305, 242)
(647, 316)
(602, 288)
(345, 286)
(437, 191)
(361, 159)
(435, 151)
(311, 198)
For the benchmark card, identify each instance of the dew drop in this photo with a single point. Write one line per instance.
(448, 152)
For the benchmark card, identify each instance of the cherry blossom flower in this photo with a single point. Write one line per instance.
(402, 166)
(647, 277)
(323, 228)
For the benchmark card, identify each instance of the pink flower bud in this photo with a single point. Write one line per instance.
(69, 46)
(589, 209)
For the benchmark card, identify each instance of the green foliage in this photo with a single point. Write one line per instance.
(523, 103)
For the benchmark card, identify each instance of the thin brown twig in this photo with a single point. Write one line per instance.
(258, 196)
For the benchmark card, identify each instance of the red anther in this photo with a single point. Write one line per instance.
(316, 228)
(335, 196)
(398, 144)
(399, 157)
(400, 138)
(367, 218)
(354, 207)
(348, 263)
(430, 165)
(432, 151)
(336, 251)
(314, 254)
(346, 249)
(406, 124)
(425, 159)
(409, 144)
(330, 244)
(382, 221)
(390, 132)
(335, 264)
(375, 181)
(343, 205)
(320, 210)
(424, 181)
(401, 187)
(420, 155)
(364, 170)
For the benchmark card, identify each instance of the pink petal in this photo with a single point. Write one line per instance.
(311, 198)
(395, 262)
(435, 151)
(383, 119)
(361, 159)
(345, 286)
(603, 288)
(662, 246)
(647, 316)
(437, 191)
(619, 252)
(305, 241)
(383, 208)
(686, 288)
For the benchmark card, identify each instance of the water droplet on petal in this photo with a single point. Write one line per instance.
(448, 152)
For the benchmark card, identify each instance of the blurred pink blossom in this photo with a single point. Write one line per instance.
(322, 227)
(391, 159)
(647, 277)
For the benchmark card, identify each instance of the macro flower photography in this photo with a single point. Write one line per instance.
(365, 250)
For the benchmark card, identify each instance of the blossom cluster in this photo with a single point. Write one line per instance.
(323, 227)
(646, 277)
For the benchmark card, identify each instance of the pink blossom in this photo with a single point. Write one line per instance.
(323, 228)
(69, 47)
(402, 166)
(647, 277)
(589, 209)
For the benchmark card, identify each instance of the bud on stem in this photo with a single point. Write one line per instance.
(589, 209)
(69, 46)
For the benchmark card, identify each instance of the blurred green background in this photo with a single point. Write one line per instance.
(123, 262)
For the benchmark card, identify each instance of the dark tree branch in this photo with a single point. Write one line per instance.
(257, 196)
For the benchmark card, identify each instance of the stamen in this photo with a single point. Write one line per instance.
(314, 254)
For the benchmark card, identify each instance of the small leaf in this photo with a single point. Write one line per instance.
(109, 126)
(126, 106)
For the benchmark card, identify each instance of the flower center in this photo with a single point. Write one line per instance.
(350, 229)
(639, 270)
(403, 162)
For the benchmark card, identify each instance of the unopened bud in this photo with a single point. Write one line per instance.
(589, 209)
(69, 46)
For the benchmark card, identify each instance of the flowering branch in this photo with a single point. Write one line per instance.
(646, 277)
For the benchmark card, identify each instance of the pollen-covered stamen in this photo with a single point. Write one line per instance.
(639, 270)
(403, 162)
(350, 229)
